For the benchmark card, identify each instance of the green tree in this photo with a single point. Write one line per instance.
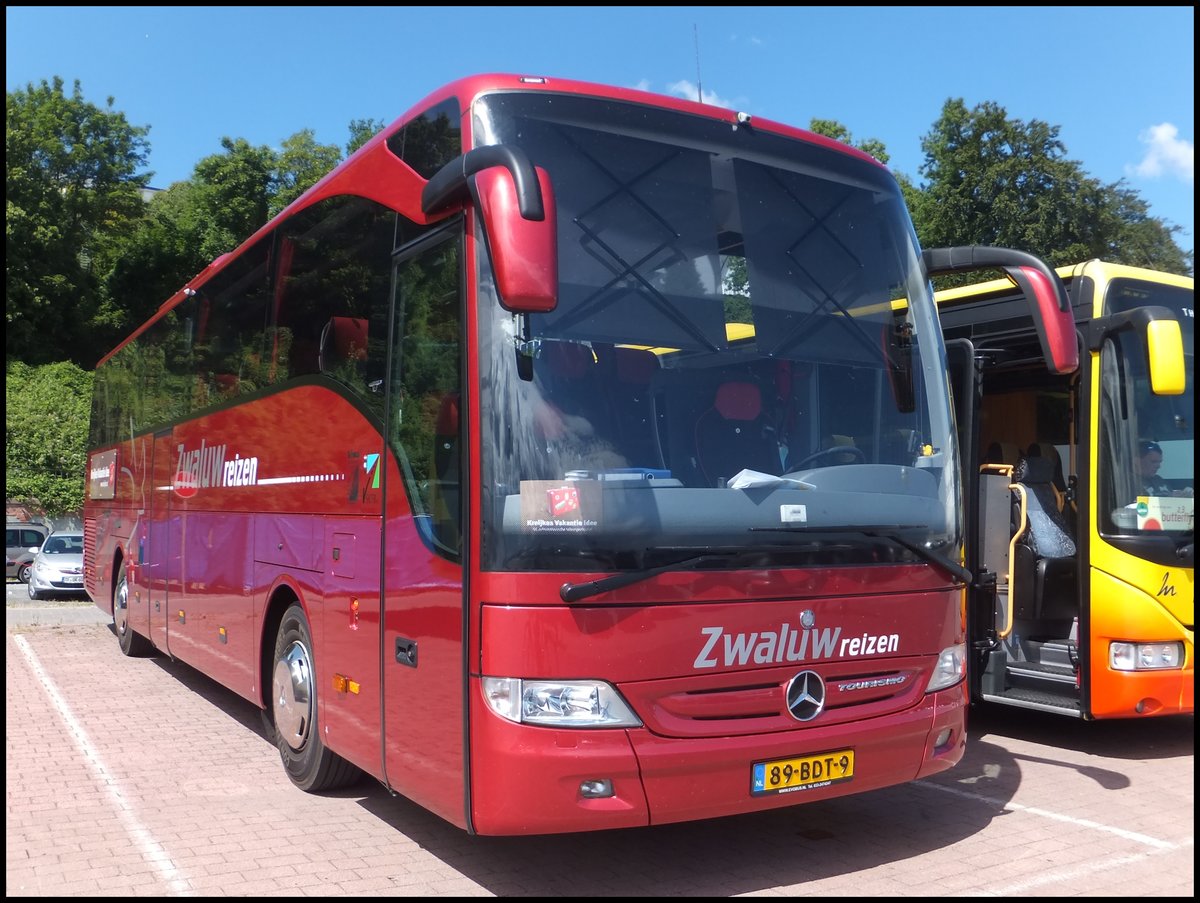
(831, 128)
(187, 227)
(362, 131)
(72, 181)
(993, 180)
(230, 196)
(46, 434)
(234, 192)
(300, 165)
(159, 255)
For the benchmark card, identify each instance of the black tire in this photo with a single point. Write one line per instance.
(132, 643)
(33, 593)
(23, 571)
(268, 723)
(293, 711)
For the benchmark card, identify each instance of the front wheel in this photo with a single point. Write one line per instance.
(131, 642)
(34, 595)
(293, 705)
(23, 572)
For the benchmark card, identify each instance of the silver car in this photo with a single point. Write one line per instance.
(22, 539)
(57, 567)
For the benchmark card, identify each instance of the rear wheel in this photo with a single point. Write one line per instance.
(23, 572)
(293, 706)
(132, 643)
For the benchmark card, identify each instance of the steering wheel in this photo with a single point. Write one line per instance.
(859, 457)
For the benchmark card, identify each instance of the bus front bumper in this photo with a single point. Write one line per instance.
(530, 780)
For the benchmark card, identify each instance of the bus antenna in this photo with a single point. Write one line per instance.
(696, 37)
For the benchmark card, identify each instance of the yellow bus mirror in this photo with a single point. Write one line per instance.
(1164, 345)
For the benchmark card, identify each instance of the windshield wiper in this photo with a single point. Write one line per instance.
(573, 592)
(890, 532)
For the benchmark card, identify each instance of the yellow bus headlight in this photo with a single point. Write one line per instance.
(1145, 656)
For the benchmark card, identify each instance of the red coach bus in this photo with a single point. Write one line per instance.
(569, 457)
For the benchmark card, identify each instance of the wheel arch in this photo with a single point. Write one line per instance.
(114, 573)
(280, 597)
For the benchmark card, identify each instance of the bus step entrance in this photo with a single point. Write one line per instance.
(1023, 697)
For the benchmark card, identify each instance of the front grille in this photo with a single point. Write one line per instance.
(89, 554)
(746, 702)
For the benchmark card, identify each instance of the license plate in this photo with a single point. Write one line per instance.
(801, 773)
(72, 580)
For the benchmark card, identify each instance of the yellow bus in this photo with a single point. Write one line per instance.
(1081, 509)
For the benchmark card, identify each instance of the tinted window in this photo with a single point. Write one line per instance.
(332, 294)
(426, 391)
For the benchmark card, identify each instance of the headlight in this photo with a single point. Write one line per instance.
(951, 667)
(558, 703)
(1144, 656)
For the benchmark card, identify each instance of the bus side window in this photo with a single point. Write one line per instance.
(343, 350)
(444, 482)
(425, 423)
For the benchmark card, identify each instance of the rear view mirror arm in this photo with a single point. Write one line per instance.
(449, 184)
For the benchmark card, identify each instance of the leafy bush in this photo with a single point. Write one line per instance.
(47, 410)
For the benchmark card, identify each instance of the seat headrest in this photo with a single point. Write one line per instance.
(568, 360)
(635, 365)
(1034, 470)
(738, 401)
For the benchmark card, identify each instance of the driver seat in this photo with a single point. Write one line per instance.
(733, 435)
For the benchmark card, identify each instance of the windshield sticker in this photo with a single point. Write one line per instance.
(102, 476)
(555, 506)
(793, 514)
(1160, 513)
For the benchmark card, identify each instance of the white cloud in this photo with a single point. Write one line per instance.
(1167, 155)
(687, 90)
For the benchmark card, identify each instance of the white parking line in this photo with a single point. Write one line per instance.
(1157, 846)
(1071, 874)
(1145, 839)
(152, 851)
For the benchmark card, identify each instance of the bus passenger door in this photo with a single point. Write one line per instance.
(982, 600)
(424, 720)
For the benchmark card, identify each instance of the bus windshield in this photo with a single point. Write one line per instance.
(729, 363)
(1146, 466)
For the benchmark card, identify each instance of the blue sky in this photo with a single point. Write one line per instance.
(1117, 81)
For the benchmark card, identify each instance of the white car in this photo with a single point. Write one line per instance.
(57, 567)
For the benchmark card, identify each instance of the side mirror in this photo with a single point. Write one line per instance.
(516, 204)
(1047, 295)
(524, 252)
(1164, 344)
(1163, 341)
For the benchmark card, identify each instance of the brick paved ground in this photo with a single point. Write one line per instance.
(140, 777)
